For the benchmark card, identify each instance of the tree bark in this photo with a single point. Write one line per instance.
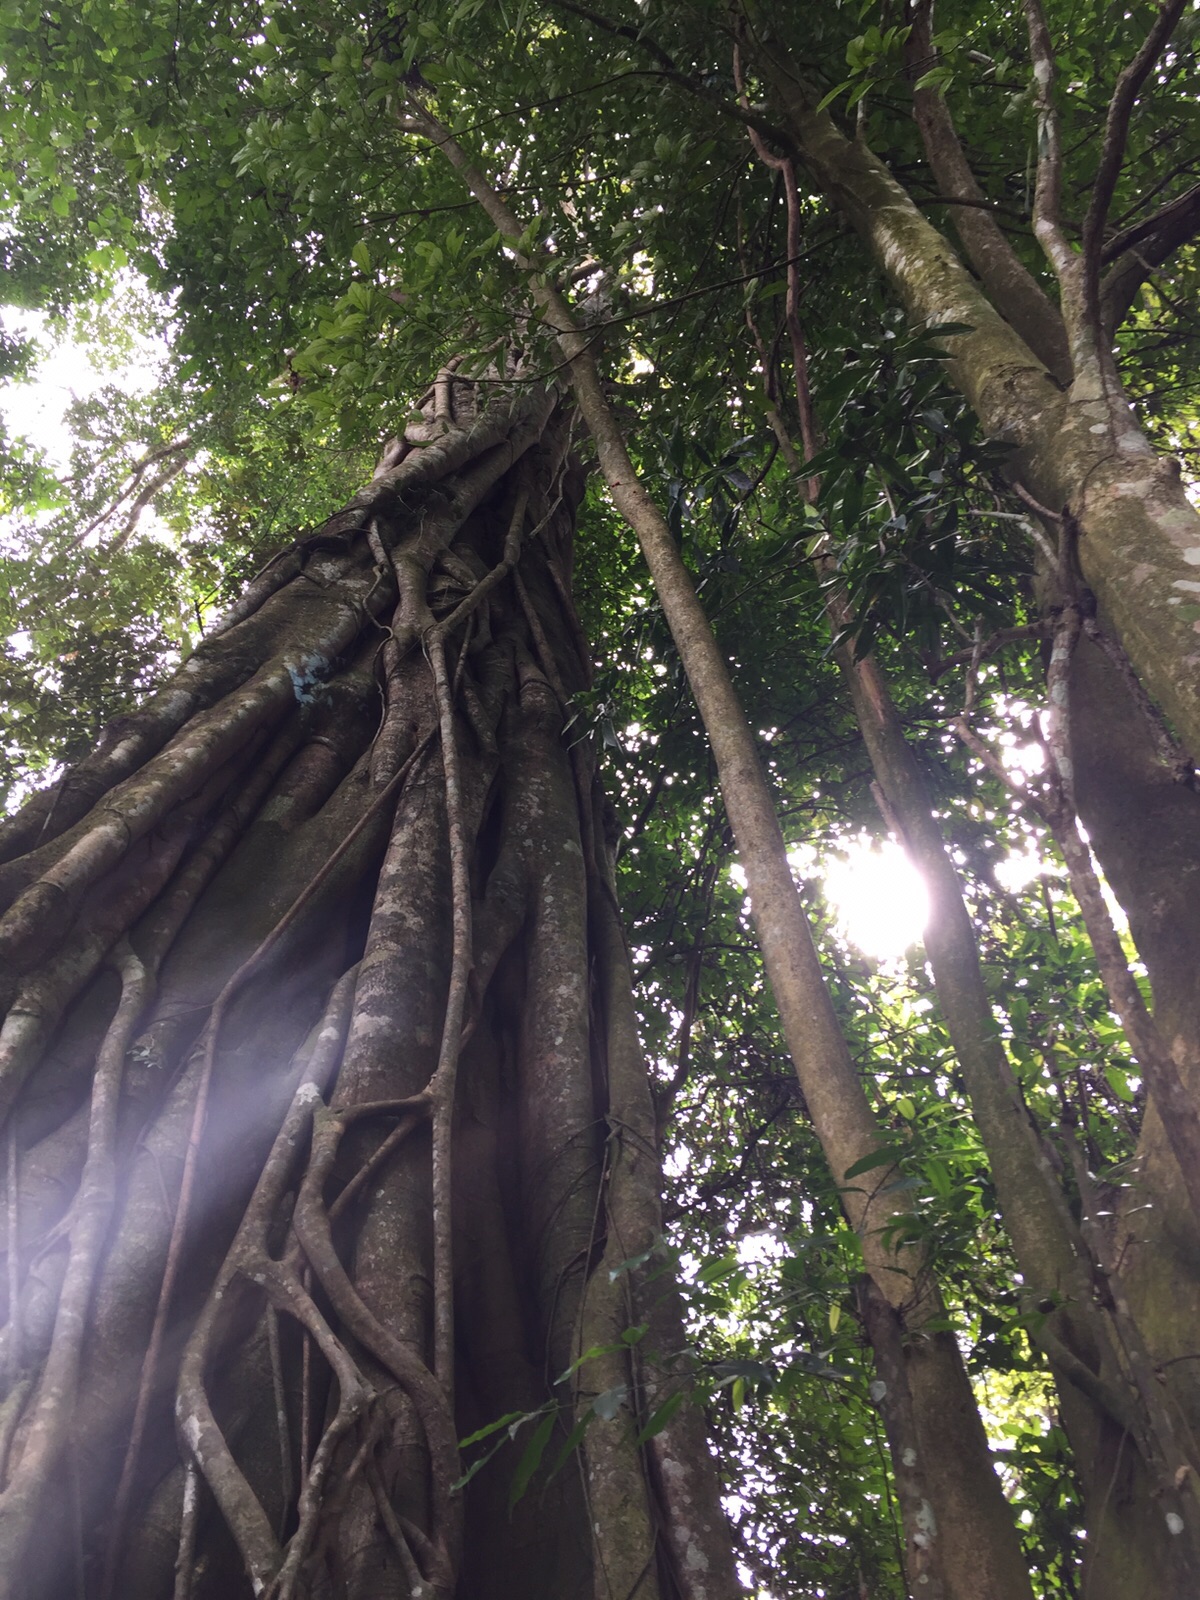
(327, 1118)
(1144, 825)
(1139, 535)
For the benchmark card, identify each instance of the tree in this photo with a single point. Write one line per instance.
(634, 195)
(276, 881)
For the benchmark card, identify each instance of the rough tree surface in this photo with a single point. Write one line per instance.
(330, 1141)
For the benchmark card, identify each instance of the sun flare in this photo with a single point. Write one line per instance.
(878, 897)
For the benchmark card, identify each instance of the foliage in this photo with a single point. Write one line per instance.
(247, 172)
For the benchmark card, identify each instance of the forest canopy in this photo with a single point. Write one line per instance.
(727, 445)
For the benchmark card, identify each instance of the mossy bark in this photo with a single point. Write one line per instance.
(1077, 451)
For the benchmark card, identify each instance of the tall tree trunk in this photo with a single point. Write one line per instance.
(1144, 825)
(962, 1537)
(327, 1127)
(1122, 510)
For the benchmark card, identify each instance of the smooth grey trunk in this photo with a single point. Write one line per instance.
(979, 1551)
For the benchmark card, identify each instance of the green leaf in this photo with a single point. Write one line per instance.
(608, 1404)
(572, 1442)
(494, 1427)
(631, 1263)
(1118, 1082)
(588, 1355)
(886, 1155)
(714, 1271)
(531, 1457)
(833, 94)
(947, 330)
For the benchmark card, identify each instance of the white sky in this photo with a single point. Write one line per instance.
(67, 371)
(878, 896)
(34, 411)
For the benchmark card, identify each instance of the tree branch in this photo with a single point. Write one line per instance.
(1047, 204)
(160, 481)
(1137, 251)
(1014, 291)
(685, 80)
(177, 447)
(1116, 133)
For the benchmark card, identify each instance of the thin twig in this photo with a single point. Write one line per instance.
(1000, 640)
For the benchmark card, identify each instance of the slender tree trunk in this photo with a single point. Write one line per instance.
(1082, 1344)
(327, 1122)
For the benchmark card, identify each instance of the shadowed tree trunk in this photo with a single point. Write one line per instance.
(1144, 825)
(329, 1140)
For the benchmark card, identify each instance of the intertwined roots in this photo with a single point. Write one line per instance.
(327, 1128)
